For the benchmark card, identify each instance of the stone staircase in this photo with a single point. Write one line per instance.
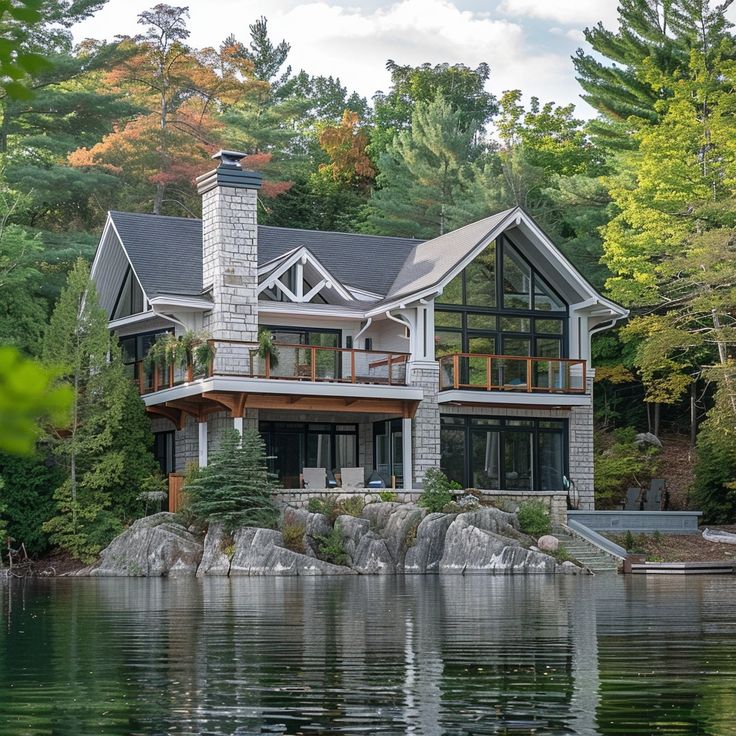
(587, 553)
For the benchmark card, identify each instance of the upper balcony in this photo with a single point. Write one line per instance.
(505, 378)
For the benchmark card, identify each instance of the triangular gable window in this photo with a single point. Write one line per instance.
(130, 297)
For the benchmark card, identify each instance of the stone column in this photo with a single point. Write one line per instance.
(426, 423)
(230, 258)
(581, 450)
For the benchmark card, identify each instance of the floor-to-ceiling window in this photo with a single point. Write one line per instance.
(504, 453)
(293, 446)
(500, 305)
(388, 451)
(297, 361)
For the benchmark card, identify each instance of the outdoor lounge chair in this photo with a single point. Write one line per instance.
(315, 478)
(353, 477)
(655, 495)
(633, 499)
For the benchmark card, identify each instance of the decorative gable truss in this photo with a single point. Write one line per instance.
(299, 277)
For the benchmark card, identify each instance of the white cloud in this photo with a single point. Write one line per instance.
(568, 12)
(354, 43)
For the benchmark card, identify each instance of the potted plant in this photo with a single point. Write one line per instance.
(267, 348)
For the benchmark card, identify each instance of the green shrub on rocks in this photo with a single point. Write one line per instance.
(352, 506)
(436, 494)
(235, 487)
(331, 548)
(534, 519)
(387, 496)
(293, 535)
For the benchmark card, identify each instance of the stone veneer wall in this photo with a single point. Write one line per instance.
(230, 268)
(426, 422)
(580, 439)
(555, 502)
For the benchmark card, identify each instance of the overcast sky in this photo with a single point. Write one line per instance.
(528, 43)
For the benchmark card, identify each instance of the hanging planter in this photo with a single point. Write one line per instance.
(189, 349)
(267, 349)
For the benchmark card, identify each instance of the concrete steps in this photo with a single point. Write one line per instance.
(585, 552)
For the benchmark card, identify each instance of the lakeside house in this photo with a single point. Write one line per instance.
(469, 352)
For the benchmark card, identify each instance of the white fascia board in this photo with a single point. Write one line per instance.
(122, 245)
(187, 303)
(359, 293)
(308, 309)
(133, 319)
(269, 266)
(297, 255)
(270, 386)
(506, 398)
(408, 301)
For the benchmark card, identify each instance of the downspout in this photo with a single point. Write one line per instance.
(368, 323)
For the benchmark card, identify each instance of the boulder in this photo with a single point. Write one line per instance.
(215, 558)
(470, 548)
(152, 546)
(378, 513)
(548, 543)
(647, 438)
(402, 522)
(315, 525)
(352, 530)
(260, 552)
(570, 568)
(427, 551)
(372, 556)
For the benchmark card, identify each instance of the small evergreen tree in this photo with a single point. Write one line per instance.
(235, 487)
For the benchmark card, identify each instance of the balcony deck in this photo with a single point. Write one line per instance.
(508, 379)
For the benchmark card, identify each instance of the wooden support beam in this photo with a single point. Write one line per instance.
(168, 412)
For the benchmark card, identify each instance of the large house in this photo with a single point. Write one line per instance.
(469, 352)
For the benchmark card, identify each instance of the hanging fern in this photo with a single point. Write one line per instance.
(267, 347)
(190, 348)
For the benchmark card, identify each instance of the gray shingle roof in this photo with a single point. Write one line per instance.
(166, 252)
(429, 261)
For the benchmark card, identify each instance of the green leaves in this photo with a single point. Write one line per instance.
(29, 395)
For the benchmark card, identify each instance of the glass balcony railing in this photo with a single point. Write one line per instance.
(471, 371)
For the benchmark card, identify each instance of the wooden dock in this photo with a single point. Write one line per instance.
(683, 568)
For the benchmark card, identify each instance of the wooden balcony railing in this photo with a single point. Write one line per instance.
(480, 372)
(295, 362)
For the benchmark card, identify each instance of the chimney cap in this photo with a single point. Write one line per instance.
(229, 158)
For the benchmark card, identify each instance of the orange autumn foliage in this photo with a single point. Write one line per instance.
(346, 144)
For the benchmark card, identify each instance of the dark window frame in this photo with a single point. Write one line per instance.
(395, 426)
(467, 333)
(502, 428)
(129, 275)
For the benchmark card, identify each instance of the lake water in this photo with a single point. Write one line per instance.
(393, 655)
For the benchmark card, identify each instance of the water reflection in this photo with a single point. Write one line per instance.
(414, 655)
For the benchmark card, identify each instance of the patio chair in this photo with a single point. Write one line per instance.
(353, 477)
(633, 499)
(315, 478)
(655, 495)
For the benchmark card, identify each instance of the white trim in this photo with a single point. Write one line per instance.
(202, 443)
(300, 257)
(308, 309)
(181, 302)
(285, 386)
(532, 400)
(116, 324)
(363, 292)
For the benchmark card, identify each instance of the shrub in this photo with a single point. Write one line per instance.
(235, 488)
(352, 506)
(326, 505)
(562, 555)
(331, 547)
(436, 494)
(293, 535)
(534, 518)
(388, 496)
(619, 463)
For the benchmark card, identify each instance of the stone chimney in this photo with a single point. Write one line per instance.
(230, 247)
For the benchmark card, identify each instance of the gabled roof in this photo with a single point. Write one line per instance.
(166, 252)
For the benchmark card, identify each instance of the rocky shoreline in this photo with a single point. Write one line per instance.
(386, 538)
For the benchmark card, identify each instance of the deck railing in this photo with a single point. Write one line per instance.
(481, 372)
(295, 362)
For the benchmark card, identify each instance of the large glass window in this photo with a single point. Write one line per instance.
(134, 349)
(292, 446)
(470, 319)
(504, 453)
(295, 361)
(388, 451)
(130, 297)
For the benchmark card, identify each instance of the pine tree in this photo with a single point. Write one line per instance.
(106, 448)
(651, 35)
(235, 487)
(421, 173)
